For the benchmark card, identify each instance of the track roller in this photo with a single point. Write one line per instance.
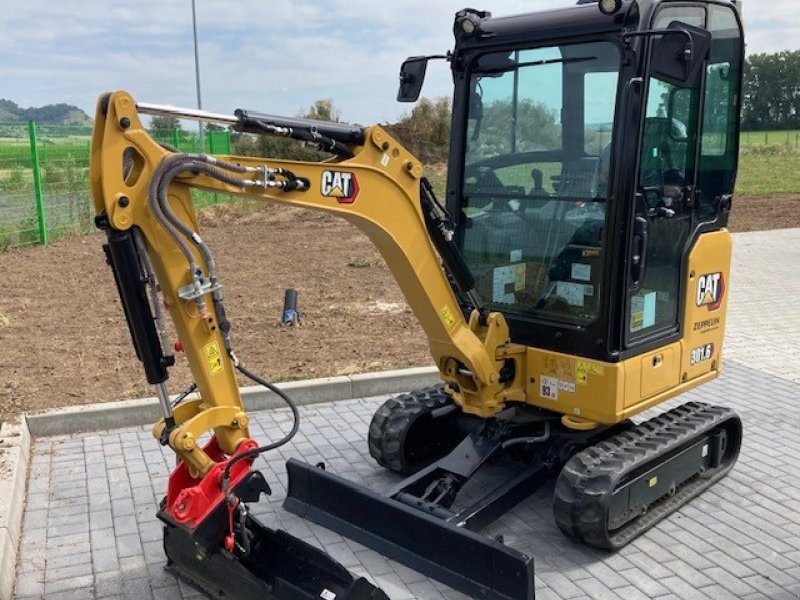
(410, 431)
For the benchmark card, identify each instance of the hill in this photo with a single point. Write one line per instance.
(51, 114)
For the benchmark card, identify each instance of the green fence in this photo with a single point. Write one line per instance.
(44, 179)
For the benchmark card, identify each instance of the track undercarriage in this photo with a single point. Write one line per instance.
(612, 483)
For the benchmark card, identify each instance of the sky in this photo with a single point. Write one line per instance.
(276, 56)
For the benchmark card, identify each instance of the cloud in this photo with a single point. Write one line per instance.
(277, 56)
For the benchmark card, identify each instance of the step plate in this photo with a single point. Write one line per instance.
(471, 563)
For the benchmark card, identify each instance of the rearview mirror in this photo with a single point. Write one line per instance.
(679, 55)
(412, 76)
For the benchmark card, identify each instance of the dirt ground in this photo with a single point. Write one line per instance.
(765, 213)
(64, 341)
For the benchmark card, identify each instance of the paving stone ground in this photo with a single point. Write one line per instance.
(90, 529)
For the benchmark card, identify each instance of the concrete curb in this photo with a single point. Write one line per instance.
(15, 453)
(132, 413)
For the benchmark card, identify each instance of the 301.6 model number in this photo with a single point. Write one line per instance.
(702, 354)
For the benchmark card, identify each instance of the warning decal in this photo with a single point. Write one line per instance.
(214, 357)
(447, 317)
(583, 369)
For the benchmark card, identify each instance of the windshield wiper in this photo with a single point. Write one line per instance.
(535, 63)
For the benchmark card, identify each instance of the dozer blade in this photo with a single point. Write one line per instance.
(471, 563)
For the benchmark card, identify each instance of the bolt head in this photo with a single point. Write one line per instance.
(124, 122)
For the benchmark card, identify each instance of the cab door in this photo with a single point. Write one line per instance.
(663, 202)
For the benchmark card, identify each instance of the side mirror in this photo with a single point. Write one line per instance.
(412, 76)
(680, 53)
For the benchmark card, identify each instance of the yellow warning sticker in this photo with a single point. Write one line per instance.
(653, 482)
(447, 317)
(519, 277)
(214, 357)
(584, 368)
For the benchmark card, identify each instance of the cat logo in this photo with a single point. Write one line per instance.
(340, 185)
(711, 290)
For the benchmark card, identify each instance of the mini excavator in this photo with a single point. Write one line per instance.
(574, 277)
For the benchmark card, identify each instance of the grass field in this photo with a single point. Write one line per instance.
(768, 171)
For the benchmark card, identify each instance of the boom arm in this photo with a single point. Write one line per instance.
(378, 190)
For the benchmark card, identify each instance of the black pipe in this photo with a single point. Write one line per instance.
(290, 314)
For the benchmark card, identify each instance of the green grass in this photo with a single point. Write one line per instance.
(767, 171)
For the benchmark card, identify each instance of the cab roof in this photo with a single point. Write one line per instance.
(582, 19)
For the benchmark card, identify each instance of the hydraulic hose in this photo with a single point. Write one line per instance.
(261, 450)
(163, 177)
(190, 163)
(530, 440)
(155, 208)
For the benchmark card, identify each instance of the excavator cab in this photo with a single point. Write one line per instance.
(582, 172)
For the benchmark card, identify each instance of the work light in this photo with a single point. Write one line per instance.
(610, 7)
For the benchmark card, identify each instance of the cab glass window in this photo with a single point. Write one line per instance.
(718, 150)
(537, 162)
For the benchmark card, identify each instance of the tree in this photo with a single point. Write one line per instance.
(425, 131)
(324, 110)
(164, 123)
(771, 94)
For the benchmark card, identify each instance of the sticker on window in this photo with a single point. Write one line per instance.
(516, 256)
(643, 311)
(573, 294)
(581, 272)
(508, 281)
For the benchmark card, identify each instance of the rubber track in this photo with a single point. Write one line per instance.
(391, 422)
(585, 486)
